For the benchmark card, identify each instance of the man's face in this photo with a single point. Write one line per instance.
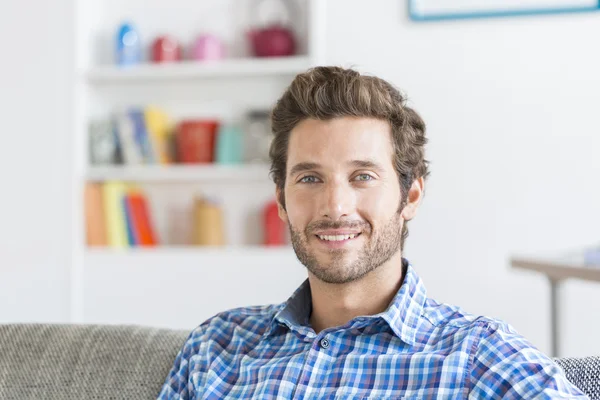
(342, 197)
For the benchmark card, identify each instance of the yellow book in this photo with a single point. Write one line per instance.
(159, 130)
(116, 224)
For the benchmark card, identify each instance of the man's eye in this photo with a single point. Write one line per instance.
(364, 177)
(308, 179)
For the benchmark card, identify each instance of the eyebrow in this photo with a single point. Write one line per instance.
(306, 166)
(303, 166)
(366, 164)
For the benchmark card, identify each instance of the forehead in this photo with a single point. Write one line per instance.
(340, 140)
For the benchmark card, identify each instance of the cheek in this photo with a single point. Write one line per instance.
(300, 205)
(379, 203)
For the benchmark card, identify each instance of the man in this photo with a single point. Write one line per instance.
(349, 168)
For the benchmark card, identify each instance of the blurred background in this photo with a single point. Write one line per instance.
(134, 170)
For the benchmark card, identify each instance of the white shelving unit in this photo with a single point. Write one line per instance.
(198, 281)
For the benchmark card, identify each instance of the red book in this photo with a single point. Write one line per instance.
(143, 231)
(195, 141)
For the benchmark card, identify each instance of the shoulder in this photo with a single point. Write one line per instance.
(506, 364)
(221, 336)
(502, 361)
(479, 332)
(243, 323)
(446, 316)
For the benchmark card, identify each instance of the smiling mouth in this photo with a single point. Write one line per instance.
(338, 238)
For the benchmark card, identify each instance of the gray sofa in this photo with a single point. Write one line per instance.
(127, 362)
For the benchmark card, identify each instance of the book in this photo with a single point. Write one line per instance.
(116, 227)
(95, 228)
(141, 226)
(141, 136)
(103, 142)
(131, 240)
(130, 150)
(159, 132)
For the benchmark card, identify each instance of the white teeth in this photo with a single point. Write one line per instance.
(334, 238)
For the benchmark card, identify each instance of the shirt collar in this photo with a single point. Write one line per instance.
(295, 312)
(404, 312)
(402, 315)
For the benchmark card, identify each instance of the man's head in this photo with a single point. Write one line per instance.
(349, 167)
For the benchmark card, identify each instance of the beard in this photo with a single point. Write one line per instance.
(377, 250)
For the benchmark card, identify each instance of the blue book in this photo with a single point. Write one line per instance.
(141, 136)
(128, 221)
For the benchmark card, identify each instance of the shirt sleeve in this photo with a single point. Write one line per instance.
(178, 385)
(507, 366)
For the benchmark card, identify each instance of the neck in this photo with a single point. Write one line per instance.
(336, 304)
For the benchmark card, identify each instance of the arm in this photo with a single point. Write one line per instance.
(178, 385)
(507, 366)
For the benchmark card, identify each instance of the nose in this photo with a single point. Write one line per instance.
(338, 201)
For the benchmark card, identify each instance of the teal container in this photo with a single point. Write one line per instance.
(229, 145)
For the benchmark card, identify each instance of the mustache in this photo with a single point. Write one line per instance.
(325, 224)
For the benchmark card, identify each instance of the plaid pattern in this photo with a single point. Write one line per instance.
(417, 349)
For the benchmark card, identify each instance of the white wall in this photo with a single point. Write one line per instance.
(512, 113)
(510, 105)
(35, 86)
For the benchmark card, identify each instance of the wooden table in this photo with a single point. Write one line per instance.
(578, 265)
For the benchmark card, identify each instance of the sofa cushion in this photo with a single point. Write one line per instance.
(44, 361)
(583, 373)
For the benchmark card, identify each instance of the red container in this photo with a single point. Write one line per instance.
(274, 227)
(195, 141)
(166, 49)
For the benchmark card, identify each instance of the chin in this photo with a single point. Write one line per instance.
(333, 264)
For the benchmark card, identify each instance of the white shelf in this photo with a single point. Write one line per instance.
(190, 251)
(192, 69)
(179, 173)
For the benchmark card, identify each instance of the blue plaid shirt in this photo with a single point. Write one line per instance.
(416, 349)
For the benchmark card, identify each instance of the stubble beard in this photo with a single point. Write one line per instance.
(379, 247)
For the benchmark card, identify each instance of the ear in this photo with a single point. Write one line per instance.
(279, 195)
(414, 196)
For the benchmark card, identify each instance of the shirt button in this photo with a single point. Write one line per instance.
(325, 343)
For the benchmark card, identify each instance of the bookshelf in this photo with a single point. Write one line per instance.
(104, 279)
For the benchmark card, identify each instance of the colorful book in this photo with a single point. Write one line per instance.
(95, 227)
(128, 221)
(159, 131)
(142, 229)
(141, 136)
(116, 224)
(126, 132)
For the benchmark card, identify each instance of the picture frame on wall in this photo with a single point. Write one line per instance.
(438, 10)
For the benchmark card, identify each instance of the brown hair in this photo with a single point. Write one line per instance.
(330, 92)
